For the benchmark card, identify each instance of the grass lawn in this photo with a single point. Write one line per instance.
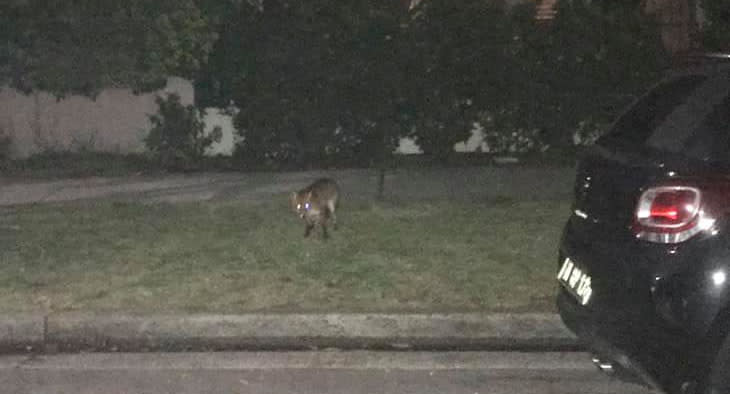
(235, 257)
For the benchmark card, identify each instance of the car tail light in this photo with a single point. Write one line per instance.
(670, 214)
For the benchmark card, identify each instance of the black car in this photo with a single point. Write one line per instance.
(644, 260)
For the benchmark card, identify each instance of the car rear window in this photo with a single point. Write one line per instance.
(689, 115)
(711, 139)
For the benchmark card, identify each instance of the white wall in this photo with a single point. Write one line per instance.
(116, 121)
(475, 143)
(218, 117)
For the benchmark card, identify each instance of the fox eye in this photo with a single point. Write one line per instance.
(299, 206)
(306, 206)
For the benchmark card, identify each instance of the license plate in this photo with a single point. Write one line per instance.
(576, 280)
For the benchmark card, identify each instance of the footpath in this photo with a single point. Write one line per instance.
(438, 331)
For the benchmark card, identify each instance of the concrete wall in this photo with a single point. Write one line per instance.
(217, 117)
(475, 143)
(116, 121)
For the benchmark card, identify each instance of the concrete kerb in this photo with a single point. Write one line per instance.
(117, 332)
(20, 333)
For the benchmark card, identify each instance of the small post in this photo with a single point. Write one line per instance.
(381, 182)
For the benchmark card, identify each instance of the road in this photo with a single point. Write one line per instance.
(356, 372)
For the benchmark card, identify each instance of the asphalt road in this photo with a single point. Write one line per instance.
(308, 372)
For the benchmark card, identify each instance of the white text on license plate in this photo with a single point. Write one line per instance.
(577, 281)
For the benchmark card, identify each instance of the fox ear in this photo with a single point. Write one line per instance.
(309, 195)
(293, 199)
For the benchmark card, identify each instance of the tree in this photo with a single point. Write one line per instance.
(314, 81)
(375, 82)
(459, 48)
(282, 82)
(83, 46)
(585, 66)
(328, 81)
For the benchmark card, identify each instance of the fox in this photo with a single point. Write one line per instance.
(316, 205)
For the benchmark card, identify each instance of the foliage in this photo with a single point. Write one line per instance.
(83, 46)
(331, 80)
(265, 62)
(584, 67)
(375, 80)
(178, 136)
(314, 81)
(503, 138)
(325, 80)
(458, 47)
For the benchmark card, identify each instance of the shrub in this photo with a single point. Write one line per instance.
(563, 86)
(178, 138)
(363, 76)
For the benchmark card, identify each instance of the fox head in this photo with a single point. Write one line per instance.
(301, 203)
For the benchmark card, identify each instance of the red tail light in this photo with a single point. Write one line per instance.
(670, 214)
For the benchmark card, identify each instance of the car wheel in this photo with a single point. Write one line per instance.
(718, 380)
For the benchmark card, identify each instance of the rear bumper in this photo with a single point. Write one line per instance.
(631, 343)
(615, 347)
(613, 362)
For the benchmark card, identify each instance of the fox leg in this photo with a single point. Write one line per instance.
(308, 229)
(324, 231)
(331, 209)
